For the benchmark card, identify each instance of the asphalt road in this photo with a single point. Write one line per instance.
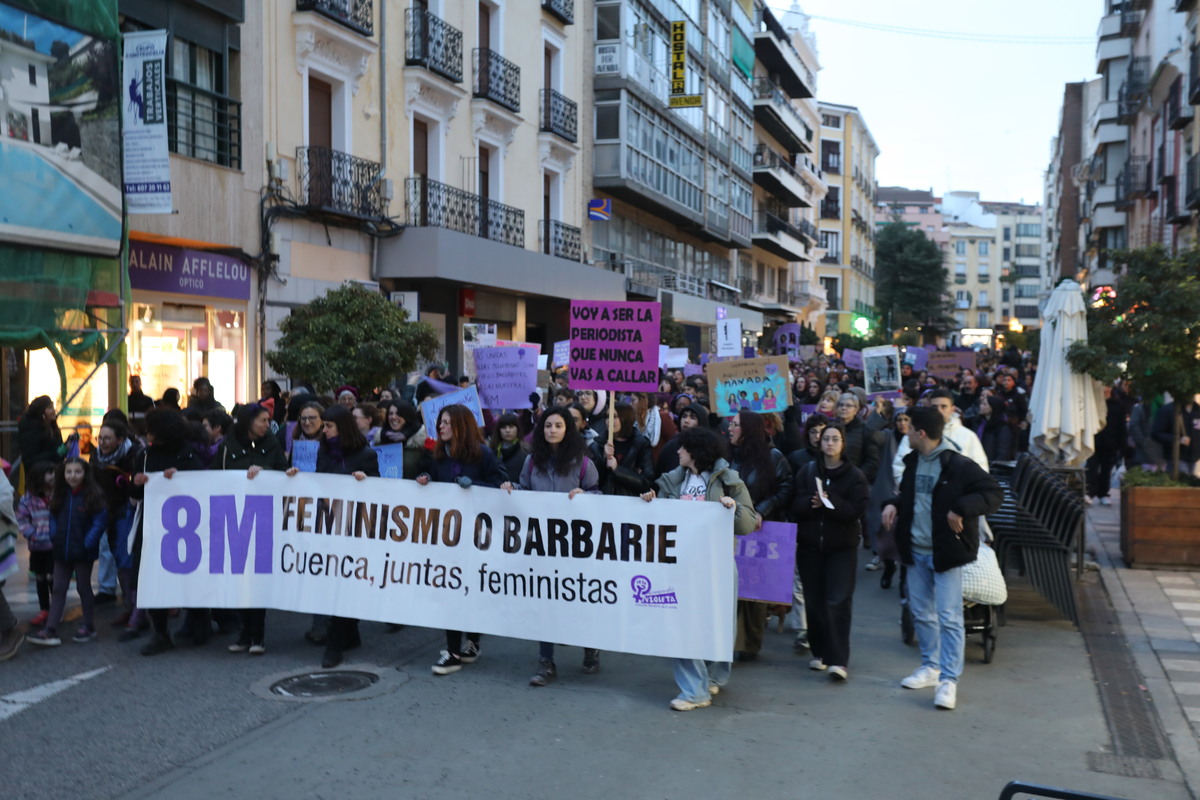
(200, 722)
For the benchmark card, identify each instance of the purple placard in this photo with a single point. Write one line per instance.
(918, 357)
(156, 268)
(705, 358)
(885, 395)
(806, 412)
(505, 376)
(852, 358)
(931, 348)
(766, 563)
(692, 369)
(614, 345)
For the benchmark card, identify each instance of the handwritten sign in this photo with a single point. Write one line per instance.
(614, 345)
(304, 454)
(729, 337)
(948, 364)
(505, 376)
(432, 406)
(562, 353)
(852, 359)
(766, 563)
(391, 460)
(753, 384)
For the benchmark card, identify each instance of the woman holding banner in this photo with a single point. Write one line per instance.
(461, 456)
(343, 451)
(251, 447)
(558, 462)
(703, 475)
(830, 499)
(767, 475)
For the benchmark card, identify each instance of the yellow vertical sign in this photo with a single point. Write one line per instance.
(679, 57)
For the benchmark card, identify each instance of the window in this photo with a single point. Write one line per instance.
(658, 155)
(984, 320)
(1008, 234)
(202, 121)
(831, 156)
(984, 248)
(983, 300)
(961, 319)
(1029, 250)
(1007, 254)
(608, 22)
(831, 293)
(962, 296)
(1026, 312)
(1027, 290)
(831, 121)
(32, 75)
(960, 248)
(608, 121)
(1029, 229)
(1003, 297)
(831, 243)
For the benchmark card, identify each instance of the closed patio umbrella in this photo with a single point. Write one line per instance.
(1066, 409)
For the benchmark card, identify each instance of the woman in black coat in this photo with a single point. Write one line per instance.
(508, 446)
(831, 495)
(767, 475)
(251, 447)
(626, 466)
(343, 451)
(168, 451)
(38, 436)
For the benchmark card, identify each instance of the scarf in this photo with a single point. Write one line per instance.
(116, 455)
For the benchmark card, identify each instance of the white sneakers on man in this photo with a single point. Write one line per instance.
(923, 678)
(946, 696)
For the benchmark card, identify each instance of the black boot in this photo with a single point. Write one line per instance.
(889, 570)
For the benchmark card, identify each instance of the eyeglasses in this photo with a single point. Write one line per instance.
(847, 405)
(313, 418)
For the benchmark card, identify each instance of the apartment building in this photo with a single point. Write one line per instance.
(847, 219)
(1063, 200)
(917, 208)
(182, 326)
(974, 276)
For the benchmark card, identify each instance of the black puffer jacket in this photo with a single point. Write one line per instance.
(265, 452)
(365, 460)
(827, 530)
(862, 448)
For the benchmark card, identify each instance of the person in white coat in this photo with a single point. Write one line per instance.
(955, 433)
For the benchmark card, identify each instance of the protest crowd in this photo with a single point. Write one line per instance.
(902, 473)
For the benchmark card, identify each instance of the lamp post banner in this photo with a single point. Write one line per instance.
(615, 573)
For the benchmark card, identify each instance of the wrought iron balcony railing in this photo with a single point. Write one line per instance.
(496, 78)
(560, 239)
(203, 124)
(563, 9)
(1192, 195)
(830, 210)
(831, 162)
(431, 43)
(338, 182)
(358, 15)
(433, 204)
(766, 158)
(559, 115)
(1193, 96)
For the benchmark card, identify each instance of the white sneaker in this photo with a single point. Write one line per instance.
(1104, 501)
(679, 704)
(1087, 500)
(816, 664)
(923, 678)
(874, 565)
(838, 673)
(470, 653)
(714, 689)
(946, 696)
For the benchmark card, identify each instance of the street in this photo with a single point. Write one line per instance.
(201, 722)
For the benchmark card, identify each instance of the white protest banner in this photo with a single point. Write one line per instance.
(729, 337)
(597, 571)
(146, 164)
(432, 406)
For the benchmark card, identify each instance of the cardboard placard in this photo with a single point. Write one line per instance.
(754, 384)
(852, 359)
(947, 364)
(614, 345)
(432, 406)
(505, 376)
(766, 563)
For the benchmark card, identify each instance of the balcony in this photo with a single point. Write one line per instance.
(773, 172)
(832, 162)
(339, 183)
(559, 115)
(1179, 113)
(431, 43)
(560, 239)
(564, 10)
(775, 235)
(773, 47)
(1193, 96)
(831, 258)
(1192, 195)
(1141, 180)
(773, 110)
(430, 203)
(831, 209)
(808, 229)
(203, 124)
(496, 79)
(1131, 20)
(357, 15)
(809, 294)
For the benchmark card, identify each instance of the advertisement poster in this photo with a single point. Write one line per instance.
(147, 162)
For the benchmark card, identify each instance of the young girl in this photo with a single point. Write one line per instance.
(33, 518)
(78, 516)
(702, 475)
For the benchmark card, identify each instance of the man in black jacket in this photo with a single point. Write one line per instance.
(936, 516)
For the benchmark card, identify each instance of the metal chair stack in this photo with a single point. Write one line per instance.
(1035, 530)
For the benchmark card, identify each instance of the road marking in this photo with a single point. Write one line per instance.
(1174, 579)
(15, 703)
(1181, 664)
(1182, 592)
(1186, 606)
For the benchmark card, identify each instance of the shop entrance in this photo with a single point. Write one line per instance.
(170, 345)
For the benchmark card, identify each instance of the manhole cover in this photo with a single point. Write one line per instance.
(324, 684)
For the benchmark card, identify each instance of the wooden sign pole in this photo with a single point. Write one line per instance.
(612, 414)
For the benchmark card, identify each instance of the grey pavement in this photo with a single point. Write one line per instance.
(198, 722)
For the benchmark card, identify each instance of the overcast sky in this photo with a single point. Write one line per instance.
(956, 115)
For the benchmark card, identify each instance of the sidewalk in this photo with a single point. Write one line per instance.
(1159, 615)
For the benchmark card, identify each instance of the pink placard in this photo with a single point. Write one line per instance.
(614, 345)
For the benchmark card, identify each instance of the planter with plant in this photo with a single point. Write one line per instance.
(1146, 332)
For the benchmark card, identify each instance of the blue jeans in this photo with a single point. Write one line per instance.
(936, 602)
(695, 675)
(107, 569)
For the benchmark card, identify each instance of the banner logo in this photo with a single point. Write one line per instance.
(642, 595)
